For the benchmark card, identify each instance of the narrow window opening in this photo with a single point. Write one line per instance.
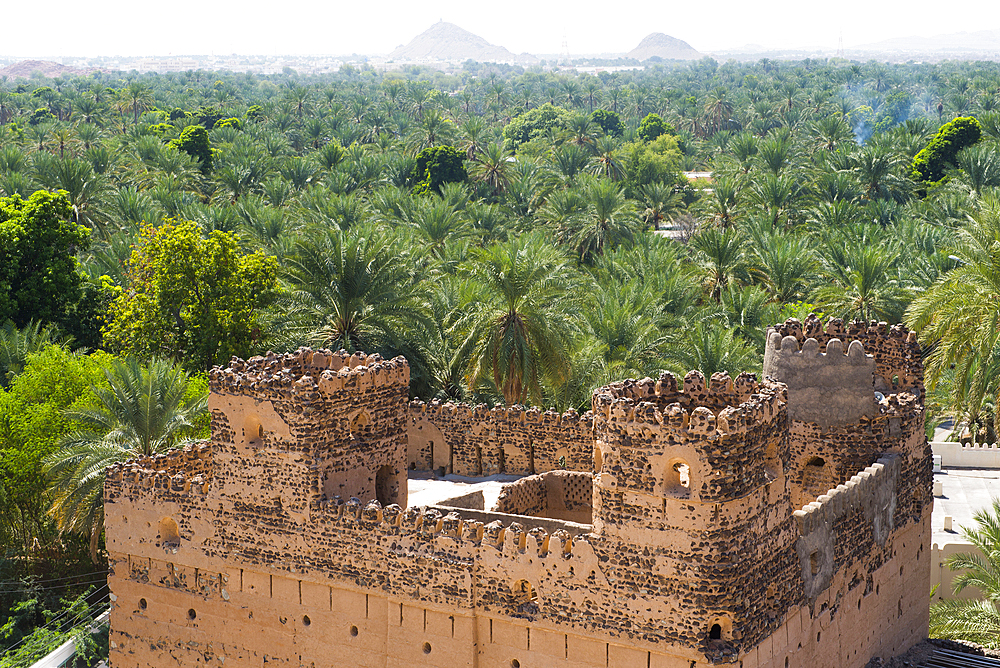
(715, 633)
(678, 482)
(814, 563)
(170, 535)
(386, 487)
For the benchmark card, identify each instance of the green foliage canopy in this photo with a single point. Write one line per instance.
(535, 124)
(38, 274)
(930, 164)
(437, 165)
(652, 126)
(191, 299)
(609, 122)
(194, 142)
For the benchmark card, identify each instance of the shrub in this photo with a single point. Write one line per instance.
(652, 126)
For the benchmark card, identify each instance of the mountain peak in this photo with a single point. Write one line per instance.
(447, 41)
(663, 46)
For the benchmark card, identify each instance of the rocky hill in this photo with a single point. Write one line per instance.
(663, 46)
(446, 41)
(49, 69)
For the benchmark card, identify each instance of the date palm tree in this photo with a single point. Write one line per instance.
(355, 289)
(958, 315)
(141, 412)
(518, 332)
(976, 620)
(492, 168)
(138, 97)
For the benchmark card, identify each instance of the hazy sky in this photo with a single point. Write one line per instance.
(125, 27)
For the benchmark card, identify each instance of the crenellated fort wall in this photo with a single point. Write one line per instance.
(286, 540)
(480, 441)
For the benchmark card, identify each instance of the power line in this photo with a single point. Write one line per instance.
(56, 619)
(62, 586)
(68, 577)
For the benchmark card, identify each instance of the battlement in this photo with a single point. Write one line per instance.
(512, 541)
(187, 469)
(858, 493)
(897, 354)
(725, 407)
(831, 387)
(479, 440)
(720, 391)
(436, 409)
(825, 529)
(306, 373)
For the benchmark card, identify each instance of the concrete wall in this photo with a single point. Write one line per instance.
(978, 456)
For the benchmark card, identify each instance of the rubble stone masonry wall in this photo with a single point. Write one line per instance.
(285, 540)
(478, 440)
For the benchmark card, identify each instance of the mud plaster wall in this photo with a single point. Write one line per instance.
(664, 564)
(565, 495)
(288, 429)
(898, 365)
(477, 440)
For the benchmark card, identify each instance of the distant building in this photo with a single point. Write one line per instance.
(164, 65)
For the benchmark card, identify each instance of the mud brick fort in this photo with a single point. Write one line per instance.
(778, 521)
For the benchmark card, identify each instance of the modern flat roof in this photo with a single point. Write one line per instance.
(965, 491)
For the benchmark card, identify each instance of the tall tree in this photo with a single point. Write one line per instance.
(520, 329)
(143, 411)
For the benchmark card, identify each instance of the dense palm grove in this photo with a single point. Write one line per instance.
(522, 237)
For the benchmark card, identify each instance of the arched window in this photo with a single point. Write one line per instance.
(170, 535)
(721, 629)
(359, 423)
(253, 432)
(678, 479)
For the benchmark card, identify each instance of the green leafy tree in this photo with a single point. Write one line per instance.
(38, 273)
(656, 161)
(437, 165)
(609, 122)
(31, 423)
(140, 411)
(42, 115)
(233, 122)
(194, 142)
(191, 299)
(652, 126)
(535, 124)
(930, 164)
